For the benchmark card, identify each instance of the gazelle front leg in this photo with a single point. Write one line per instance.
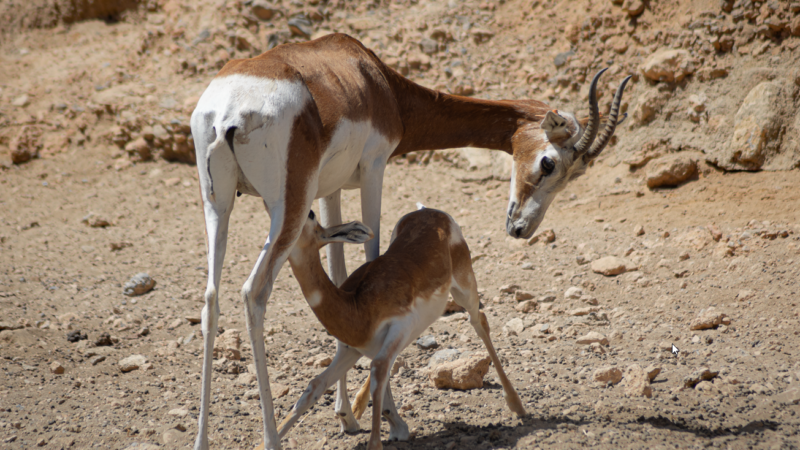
(371, 190)
(345, 357)
(331, 212)
(285, 227)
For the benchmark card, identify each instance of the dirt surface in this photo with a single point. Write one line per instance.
(106, 106)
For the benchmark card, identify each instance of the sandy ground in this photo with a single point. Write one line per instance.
(85, 216)
(60, 274)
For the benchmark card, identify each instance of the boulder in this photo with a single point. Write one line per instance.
(132, 362)
(228, 345)
(607, 374)
(701, 374)
(670, 170)
(756, 140)
(26, 144)
(461, 374)
(592, 337)
(611, 265)
(669, 65)
(709, 318)
(141, 283)
(637, 382)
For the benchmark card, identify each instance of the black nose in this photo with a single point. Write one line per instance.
(517, 232)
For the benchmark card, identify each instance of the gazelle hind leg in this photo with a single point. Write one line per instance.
(217, 210)
(345, 358)
(331, 214)
(465, 294)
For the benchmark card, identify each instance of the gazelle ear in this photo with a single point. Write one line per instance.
(353, 233)
(555, 127)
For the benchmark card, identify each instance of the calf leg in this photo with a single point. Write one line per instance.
(345, 357)
(467, 297)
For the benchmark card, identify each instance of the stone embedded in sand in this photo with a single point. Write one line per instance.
(26, 145)
(652, 371)
(637, 382)
(758, 126)
(670, 170)
(444, 356)
(701, 374)
(709, 318)
(573, 292)
(790, 396)
(514, 327)
(634, 8)
(228, 345)
(669, 65)
(141, 283)
(132, 362)
(461, 374)
(592, 337)
(607, 374)
(56, 368)
(427, 342)
(527, 306)
(521, 296)
(611, 265)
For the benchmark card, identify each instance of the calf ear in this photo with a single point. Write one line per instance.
(353, 233)
(555, 127)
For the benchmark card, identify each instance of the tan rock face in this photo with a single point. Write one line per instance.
(669, 65)
(462, 374)
(670, 170)
(26, 145)
(637, 382)
(592, 337)
(606, 374)
(611, 265)
(709, 318)
(756, 128)
(228, 345)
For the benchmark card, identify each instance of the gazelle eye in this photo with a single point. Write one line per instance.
(548, 165)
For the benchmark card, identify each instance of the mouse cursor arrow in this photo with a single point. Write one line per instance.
(675, 350)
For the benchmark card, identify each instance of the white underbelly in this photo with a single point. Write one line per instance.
(352, 143)
(409, 326)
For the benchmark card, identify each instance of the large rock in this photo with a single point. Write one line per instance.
(637, 382)
(611, 265)
(756, 140)
(228, 345)
(461, 374)
(670, 170)
(701, 374)
(648, 105)
(132, 362)
(591, 338)
(141, 283)
(26, 144)
(669, 65)
(607, 374)
(709, 318)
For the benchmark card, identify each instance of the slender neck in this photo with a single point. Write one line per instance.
(433, 120)
(312, 278)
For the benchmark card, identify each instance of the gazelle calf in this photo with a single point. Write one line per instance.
(385, 304)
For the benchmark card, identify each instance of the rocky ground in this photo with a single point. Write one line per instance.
(97, 185)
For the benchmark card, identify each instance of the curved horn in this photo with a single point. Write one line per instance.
(611, 124)
(594, 117)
